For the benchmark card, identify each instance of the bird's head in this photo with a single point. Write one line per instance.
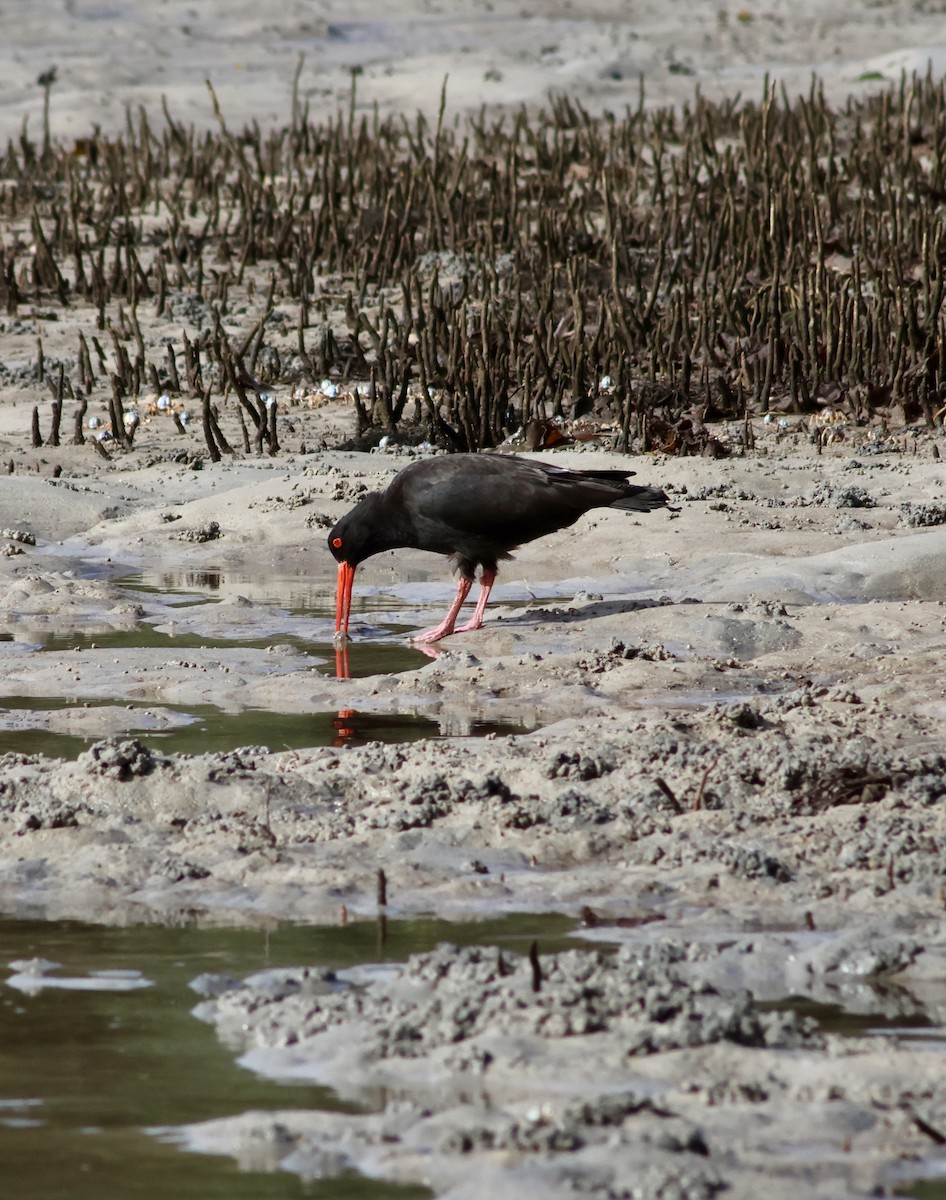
(357, 536)
(360, 533)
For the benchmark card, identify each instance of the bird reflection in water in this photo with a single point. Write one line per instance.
(344, 725)
(354, 728)
(343, 665)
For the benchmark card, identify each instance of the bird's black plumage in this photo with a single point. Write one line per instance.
(476, 508)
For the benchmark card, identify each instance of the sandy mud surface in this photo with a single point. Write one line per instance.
(501, 54)
(732, 749)
(737, 771)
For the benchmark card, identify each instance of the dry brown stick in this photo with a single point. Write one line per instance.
(273, 441)
(244, 431)
(218, 435)
(117, 413)
(536, 967)
(53, 439)
(78, 436)
(208, 427)
(701, 790)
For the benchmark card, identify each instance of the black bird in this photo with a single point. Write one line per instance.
(475, 508)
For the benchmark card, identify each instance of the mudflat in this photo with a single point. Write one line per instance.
(729, 754)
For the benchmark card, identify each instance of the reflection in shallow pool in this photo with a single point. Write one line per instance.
(198, 729)
(369, 658)
(83, 1074)
(909, 1019)
(206, 729)
(926, 1189)
(303, 595)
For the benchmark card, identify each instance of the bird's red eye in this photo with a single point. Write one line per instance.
(336, 542)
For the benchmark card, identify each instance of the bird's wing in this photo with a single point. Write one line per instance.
(510, 500)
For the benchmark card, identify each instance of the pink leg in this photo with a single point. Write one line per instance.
(445, 628)
(487, 579)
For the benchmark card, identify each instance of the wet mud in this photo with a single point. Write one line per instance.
(727, 759)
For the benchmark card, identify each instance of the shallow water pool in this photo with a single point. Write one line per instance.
(87, 1070)
(203, 728)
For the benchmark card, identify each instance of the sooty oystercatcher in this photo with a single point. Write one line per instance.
(475, 508)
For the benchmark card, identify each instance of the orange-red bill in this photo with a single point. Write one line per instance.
(346, 577)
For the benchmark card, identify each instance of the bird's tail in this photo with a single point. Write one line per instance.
(641, 499)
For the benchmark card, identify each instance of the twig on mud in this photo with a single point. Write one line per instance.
(669, 793)
(701, 790)
(536, 967)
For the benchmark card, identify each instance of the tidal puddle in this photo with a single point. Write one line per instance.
(908, 1020)
(85, 1073)
(926, 1189)
(207, 730)
(367, 658)
(301, 595)
(416, 590)
(203, 728)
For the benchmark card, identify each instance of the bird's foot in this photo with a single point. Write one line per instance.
(471, 626)
(444, 629)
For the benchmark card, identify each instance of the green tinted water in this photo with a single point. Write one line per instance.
(834, 1018)
(84, 1074)
(366, 658)
(211, 730)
